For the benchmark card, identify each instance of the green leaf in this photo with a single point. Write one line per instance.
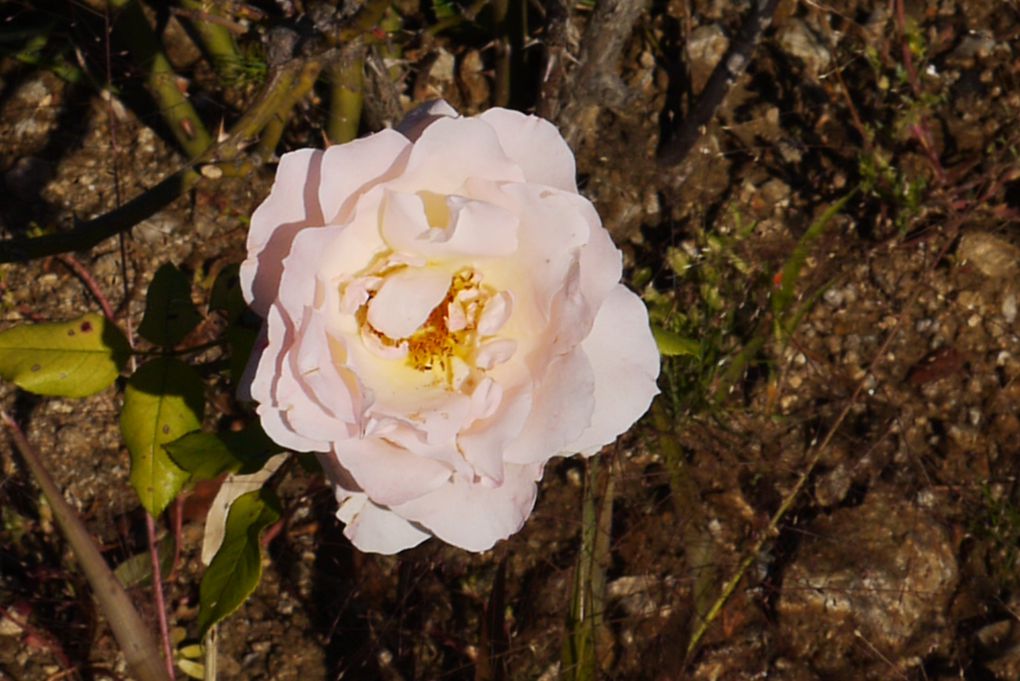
(163, 401)
(206, 456)
(444, 9)
(236, 569)
(137, 570)
(169, 313)
(226, 293)
(673, 344)
(66, 359)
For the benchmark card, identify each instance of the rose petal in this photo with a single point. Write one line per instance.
(298, 281)
(536, 146)
(551, 234)
(625, 360)
(282, 432)
(484, 441)
(480, 229)
(495, 314)
(373, 529)
(406, 299)
(473, 516)
(447, 228)
(562, 410)
(601, 261)
(451, 150)
(389, 474)
(275, 387)
(332, 387)
(347, 169)
(493, 352)
(291, 206)
(356, 244)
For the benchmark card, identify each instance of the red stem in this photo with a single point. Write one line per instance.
(90, 282)
(157, 592)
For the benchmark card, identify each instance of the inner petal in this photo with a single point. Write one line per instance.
(406, 299)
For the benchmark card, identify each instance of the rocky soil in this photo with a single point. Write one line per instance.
(850, 452)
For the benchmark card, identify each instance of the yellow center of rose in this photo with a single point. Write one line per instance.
(446, 344)
(440, 339)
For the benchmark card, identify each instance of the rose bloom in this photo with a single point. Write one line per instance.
(443, 315)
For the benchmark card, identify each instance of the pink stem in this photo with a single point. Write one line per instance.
(157, 592)
(90, 282)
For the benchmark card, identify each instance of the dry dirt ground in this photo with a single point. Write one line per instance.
(874, 414)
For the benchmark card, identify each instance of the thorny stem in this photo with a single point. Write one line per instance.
(216, 38)
(132, 635)
(365, 21)
(279, 94)
(301, 80)
(347, 95)
(730, 68)
(185, 125)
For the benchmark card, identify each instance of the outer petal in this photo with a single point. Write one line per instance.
(298, 278)
(601, 260)
(562, 411)
(275, 387)
(292, 205)
(347, 169)
(374, 529)
(551, 233)
(389, 474)
(625, 360)
(536, 146)
(473, 516)
(369, 527)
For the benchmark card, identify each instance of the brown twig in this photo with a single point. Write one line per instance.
(730, 68)
(555, 44)
(132, 635)
(595, 83)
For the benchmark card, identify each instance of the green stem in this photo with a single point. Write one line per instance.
(347, 94)
(580, 647)
(457, 19)
(216, 39)
(365, 21)
(140, 652)
(698, 549)
(133, 28)
(302, 81)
